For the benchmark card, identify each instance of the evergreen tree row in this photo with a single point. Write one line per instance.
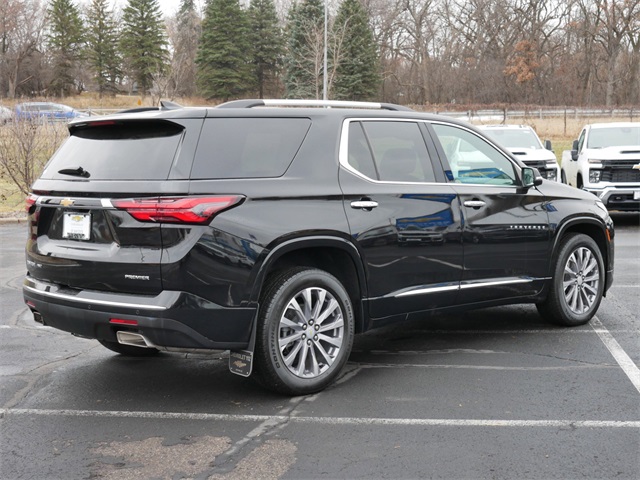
(231, 52)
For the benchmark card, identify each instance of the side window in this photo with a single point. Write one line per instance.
(248, 147)
(360, 157)
(581, 140)
(399, 152)
(472, 159)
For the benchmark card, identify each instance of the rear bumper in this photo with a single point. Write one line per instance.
(170, 319)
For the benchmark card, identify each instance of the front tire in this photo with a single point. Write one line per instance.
(577, 283)
(305, 331)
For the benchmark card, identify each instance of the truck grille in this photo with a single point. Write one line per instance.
(620, 175)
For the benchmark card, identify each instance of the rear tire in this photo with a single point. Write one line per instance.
(305, 331)
(128, 350)
(577, 284)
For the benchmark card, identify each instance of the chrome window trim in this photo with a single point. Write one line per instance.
(343, 151)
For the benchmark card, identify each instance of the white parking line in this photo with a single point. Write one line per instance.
(631, 369)
(434, 422)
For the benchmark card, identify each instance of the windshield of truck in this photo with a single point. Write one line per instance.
(615, 136)
(512, 138)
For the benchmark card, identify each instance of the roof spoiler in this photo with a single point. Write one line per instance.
(164, 105)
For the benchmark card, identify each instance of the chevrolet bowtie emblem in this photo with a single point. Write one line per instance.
(66, 202)
(636, 167)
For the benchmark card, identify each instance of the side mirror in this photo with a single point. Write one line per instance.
(574, 150)
(531, 177)
(547, 145)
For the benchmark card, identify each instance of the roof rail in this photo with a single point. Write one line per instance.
(312, 103)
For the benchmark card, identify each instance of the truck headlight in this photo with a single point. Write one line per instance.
(594, 176)
(595, 160)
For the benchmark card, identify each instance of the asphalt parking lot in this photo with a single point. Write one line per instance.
(491, 394)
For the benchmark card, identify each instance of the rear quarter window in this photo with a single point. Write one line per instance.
(248, 147)
(133, 150)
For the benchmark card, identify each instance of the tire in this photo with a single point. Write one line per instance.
(288, 359)
(129, 350)
(577, 283)
(563, 177)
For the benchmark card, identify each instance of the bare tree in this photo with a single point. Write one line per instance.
(22, 24)
(184, 33)
(25, 147)
(614, 21)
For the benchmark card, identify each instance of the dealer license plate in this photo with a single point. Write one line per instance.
(636, 195)
(76, 226)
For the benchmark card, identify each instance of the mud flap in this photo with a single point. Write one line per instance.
(241, 361)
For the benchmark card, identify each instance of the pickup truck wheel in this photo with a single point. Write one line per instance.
(563, 177)
(129, 350)
(305, 331)
(577, 284)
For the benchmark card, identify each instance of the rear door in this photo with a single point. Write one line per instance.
(403, 217)
(506, 235)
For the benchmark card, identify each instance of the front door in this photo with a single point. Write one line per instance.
(506, 228)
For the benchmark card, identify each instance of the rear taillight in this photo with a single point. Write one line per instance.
(30, 201)
(192, 210)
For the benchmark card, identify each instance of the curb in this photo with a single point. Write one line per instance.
(10, 220)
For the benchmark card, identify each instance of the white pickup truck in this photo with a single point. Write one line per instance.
(523, 142)
(605, 160)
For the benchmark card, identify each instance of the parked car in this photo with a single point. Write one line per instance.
(523, 141)
(605, 160)
(279, 233)
(5, 115)
(46, 111)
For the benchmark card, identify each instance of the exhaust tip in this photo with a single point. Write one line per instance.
(37, 316)
(133, 339)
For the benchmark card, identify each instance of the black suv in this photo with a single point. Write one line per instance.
(279, 233)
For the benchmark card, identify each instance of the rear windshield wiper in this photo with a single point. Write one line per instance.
(76, 172)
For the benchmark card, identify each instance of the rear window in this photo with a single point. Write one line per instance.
(248, 147)
(118, 151)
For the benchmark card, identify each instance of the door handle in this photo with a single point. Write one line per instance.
(474, 203)
(364, 204)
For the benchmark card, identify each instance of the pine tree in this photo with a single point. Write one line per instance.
(102, 52)
(305, 50)
(143, 41)
(356, 60)
(224, 55)
(65, 40)
(185, 38)
(268, 45)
